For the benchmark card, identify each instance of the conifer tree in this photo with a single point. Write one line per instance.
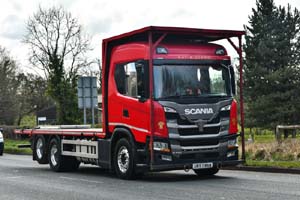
(272, 71)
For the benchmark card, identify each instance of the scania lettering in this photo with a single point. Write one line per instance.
(167, 101)
(194, 111)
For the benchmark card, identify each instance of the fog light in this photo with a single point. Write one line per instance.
(224, 128)
(161, 146)
(230, 154)
(165, 157)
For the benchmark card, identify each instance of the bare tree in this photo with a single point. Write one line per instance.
(94, 68)
(58, 47)
(56, 40)
(98, 61)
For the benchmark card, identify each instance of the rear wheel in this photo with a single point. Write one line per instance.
(40, 150)
(206, 172)
(124, 159)
(58, 162)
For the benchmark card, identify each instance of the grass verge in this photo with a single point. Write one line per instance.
(11, 146)
(280, 164)
(273, 154)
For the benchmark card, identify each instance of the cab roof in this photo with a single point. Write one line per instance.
(174, 33)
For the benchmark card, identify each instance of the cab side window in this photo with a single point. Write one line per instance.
(132, 79)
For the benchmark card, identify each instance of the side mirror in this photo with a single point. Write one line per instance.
(232, 80)
(141, 99)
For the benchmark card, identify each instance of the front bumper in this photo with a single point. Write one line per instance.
(218, 157)
(223, 155)
(179, 166)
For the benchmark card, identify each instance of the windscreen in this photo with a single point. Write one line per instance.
(190, 81)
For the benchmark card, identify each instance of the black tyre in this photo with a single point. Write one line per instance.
(124, 159)
(58, 162)
(206, 172)
(72, 164)
(1, 148)
(41, 150)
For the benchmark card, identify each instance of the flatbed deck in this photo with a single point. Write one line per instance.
(64, 131)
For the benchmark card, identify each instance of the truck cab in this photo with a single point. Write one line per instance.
(175, 97)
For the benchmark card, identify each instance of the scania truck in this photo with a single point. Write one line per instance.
(168, 104)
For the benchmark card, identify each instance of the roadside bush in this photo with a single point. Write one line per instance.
(289, 157)
(260, 154)
(288, 150)
(8, 132)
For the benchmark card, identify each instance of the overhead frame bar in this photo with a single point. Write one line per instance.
(146, 35)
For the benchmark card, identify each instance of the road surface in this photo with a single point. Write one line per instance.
(23, 179)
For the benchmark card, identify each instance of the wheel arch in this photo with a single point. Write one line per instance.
(119, 133)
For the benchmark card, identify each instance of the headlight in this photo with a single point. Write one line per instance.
(170, 110)
(161, 146)
(225, 108)
(232, 144)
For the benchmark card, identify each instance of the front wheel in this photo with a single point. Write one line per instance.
(206, 172)
(124, 159)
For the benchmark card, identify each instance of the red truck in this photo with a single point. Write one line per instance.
(167, 104)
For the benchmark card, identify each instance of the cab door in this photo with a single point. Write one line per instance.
(129, 104)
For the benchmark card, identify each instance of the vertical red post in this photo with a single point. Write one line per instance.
(151, 96)
(241, 98)
(104, 86)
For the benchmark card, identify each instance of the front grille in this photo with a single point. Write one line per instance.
(195, 131)
(183, 121)
(209, 155)
(199, 142)
(192, 142)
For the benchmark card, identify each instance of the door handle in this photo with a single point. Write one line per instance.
(125, 113)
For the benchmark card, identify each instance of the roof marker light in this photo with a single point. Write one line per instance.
(220, 52)
(161, 50)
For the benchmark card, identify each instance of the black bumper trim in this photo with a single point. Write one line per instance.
(171, 166)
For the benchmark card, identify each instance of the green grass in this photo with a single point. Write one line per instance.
(281, 164)
(263, 136)
(266, 152)
(11, 146)
(266, 138)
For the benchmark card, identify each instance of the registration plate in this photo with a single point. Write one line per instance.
(202, 165)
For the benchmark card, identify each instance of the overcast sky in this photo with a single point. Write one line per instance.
(105, 18)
